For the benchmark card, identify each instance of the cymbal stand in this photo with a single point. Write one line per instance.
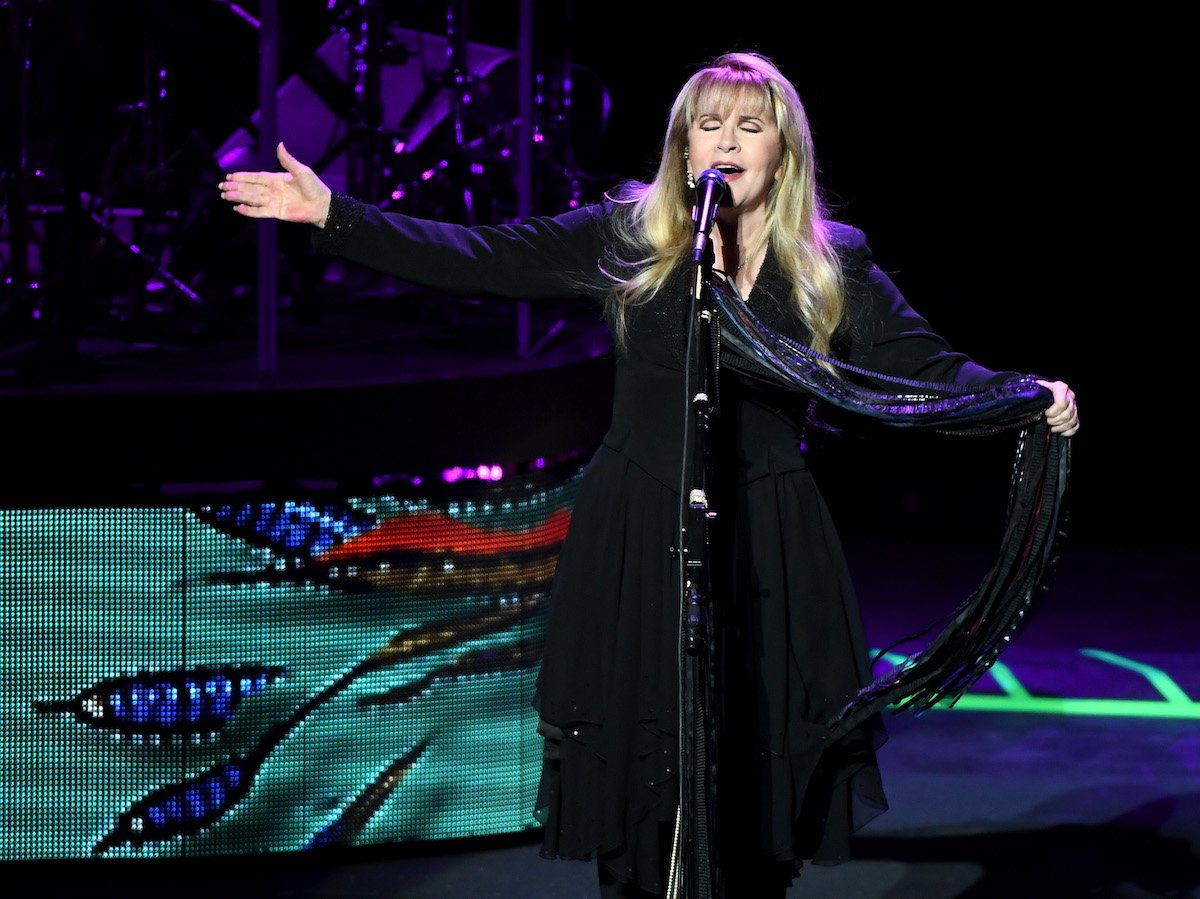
(367, 142)
(16, 300)
(147, 176)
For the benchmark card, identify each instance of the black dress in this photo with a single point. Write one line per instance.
(794, 648)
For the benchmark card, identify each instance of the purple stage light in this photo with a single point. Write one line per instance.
(478, 473)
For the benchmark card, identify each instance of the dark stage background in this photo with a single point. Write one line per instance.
(1018, 178)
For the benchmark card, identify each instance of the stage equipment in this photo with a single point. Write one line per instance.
(439, 126)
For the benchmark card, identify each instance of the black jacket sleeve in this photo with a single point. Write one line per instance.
(886, 334)
(545, 257)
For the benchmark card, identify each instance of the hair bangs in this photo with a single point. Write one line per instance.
(720, 91)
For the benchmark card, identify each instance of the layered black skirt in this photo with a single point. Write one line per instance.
(792, 654)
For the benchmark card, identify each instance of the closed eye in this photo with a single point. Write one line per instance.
(749, 127)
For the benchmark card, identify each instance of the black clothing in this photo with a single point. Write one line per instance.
(608, 687)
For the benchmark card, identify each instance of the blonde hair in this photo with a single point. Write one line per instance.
(654, 224)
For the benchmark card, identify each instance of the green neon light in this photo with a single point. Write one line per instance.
(1159, 679)
(1175, 703)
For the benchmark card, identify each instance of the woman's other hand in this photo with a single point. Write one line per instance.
(1062, 415)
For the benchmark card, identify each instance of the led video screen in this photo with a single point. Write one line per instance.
(250, 673)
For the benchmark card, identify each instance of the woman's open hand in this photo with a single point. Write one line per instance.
(294, 195)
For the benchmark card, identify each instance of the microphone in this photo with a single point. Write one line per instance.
(710, 189)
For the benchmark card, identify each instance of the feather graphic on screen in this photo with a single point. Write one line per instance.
(420, 551)
(192, 805)
(349, 824)
(180, 702)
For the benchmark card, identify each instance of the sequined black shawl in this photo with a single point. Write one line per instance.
(987, 621)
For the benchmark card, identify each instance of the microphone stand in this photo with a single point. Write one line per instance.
(694, 871)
